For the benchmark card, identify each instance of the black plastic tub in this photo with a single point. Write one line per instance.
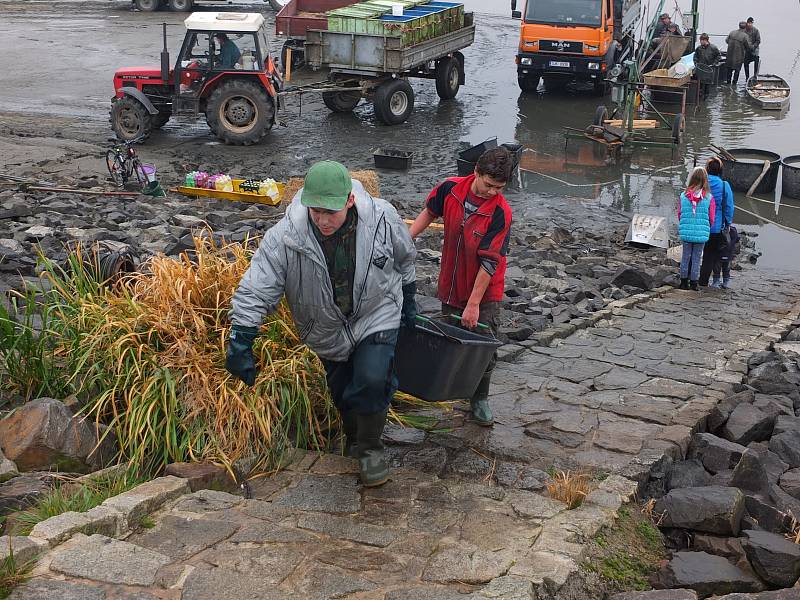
(475, 152)
(436, 361)
(465, 167)
(791, 176)
(749, 164)
(516, 152)
(393, 159)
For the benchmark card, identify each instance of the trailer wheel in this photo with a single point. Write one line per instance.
(147, 5)
(528, 83)
(180, 5)
(341, 102)
(448, 78)
(677, 128)
(600, 115)
(240, 112)
(394, 102)
(130, 119)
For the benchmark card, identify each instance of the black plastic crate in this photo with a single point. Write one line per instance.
(393, 159)
(475, 152)
(436, 361)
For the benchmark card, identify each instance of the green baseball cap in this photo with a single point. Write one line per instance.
(327, 185)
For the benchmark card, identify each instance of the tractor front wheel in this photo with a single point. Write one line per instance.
(240, 112)
(147, 5)
(130, 119)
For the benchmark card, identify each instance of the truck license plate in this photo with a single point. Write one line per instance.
(559, 63)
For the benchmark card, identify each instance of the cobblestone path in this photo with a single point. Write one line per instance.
(464, 515)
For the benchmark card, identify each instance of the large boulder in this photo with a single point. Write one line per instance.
(715, 453)
(762, 510)
(774, 595)
(721, 412)
(711, 509)
(706, 574)
(750, 474)
(773, 465)
(774, 558)
(790, 483)
(687, 474)
(44, 434)
(787, 446)
(786, 423)
(747, 423)
(657, 595)
(727, 547)
(630, 276)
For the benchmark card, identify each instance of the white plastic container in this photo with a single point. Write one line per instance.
(397, 10)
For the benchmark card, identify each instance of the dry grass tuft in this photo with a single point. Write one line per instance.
(150, 354)
(369, 178)
(570, 488)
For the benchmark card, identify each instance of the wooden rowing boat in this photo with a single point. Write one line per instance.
(770, 92)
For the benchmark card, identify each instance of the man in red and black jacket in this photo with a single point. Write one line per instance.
(477, 225)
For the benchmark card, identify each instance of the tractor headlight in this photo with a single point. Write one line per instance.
(594, 66)
(526, 61)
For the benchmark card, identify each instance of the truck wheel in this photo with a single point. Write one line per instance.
(600, 115)
(147, 5)
(528, 83)
(240, 112)
(448, 78)
(341, 102)
(394, 102)
(130, 119)
(180, 5)
(677, 128)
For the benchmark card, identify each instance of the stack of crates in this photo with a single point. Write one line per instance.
(422, 20)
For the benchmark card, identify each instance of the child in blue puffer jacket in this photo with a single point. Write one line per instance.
(696, 214)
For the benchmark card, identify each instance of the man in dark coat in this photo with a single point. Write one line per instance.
(664, 23)
(753, 56)
(706, 57)
(738, 46)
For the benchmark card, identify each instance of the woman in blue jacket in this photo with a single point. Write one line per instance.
(716, 255)
(695, 218)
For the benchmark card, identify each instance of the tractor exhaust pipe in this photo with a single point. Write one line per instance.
(165, 57)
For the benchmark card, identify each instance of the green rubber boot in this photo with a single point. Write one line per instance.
(372, 462)
(350, 430)
(479, 403)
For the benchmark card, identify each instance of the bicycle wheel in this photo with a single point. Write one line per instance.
(116, 168)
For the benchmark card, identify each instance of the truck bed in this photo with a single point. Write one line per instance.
(360, 53)
(298, 16)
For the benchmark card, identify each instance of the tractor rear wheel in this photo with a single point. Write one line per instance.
(130, 119)
(180, 5)
(147, 5)
(240, 112)
(341, 102)
(394, 102)
(448, 78)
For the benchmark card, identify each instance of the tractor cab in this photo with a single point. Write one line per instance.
(223, 70)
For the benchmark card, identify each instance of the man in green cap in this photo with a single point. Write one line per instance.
(345, 262)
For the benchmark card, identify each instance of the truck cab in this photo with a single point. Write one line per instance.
(572, 40)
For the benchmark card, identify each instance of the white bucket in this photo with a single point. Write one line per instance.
(397, 10)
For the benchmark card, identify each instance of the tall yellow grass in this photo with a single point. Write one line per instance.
(150, 352)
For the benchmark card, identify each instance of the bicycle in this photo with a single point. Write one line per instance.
(123, 163)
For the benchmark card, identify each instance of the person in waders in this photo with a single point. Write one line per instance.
(477, 226)
(345, 263)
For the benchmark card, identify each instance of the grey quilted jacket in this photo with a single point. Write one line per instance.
(290, 262)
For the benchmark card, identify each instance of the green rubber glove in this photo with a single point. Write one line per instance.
(239, 359)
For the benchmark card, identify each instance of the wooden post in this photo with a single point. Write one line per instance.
(288, 63)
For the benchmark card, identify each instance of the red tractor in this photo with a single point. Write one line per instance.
(224, 71)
